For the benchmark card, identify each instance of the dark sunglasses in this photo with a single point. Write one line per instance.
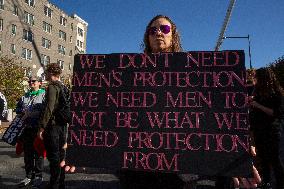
(32, 81)
(163, 28)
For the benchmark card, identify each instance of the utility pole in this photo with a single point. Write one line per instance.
(245, 37)
(225, 24)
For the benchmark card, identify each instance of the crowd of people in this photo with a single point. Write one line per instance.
(39, 109)
(45, 129)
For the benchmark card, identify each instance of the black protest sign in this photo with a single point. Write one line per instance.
(13, 131)
(169, 112)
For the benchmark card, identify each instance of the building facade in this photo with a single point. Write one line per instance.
(37, 33)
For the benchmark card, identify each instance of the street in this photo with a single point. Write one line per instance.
(12, 172)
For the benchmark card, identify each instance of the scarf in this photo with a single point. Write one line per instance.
(36, 93)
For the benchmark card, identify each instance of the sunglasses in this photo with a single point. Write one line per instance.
(32, 81)
(163, 28)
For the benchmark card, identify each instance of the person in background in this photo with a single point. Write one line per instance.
(30, 106)
(240, 182)
(266, 120)
(52, 129)
(3, 108)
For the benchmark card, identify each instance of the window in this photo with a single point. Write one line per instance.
(2, 4)
(62, 35)
(61, 49)
(47, 27)
(27, 71)
(29, 18)
(72, 26)
(0, 46)
(29, 54)
(13, 48)
(14, 29)
(47, 11)
(79, 43)
(28, 35)
(45, 59)
(63, 21)
(30, 2)
(70, 53)
(46, 43)
(80, 32)
(26, 54)
(61, 64)
(15, 10)
(70, 39)
(1, 24)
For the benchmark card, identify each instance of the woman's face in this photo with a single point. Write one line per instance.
(160, 36)
(34, 84)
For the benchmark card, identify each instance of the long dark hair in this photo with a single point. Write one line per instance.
(176, 44)
(267, 84)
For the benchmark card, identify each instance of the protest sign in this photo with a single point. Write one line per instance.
(13, 131)
(170, 112)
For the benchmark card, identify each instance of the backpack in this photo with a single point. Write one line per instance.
(62, 112)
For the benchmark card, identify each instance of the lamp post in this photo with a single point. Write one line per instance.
(244, 37)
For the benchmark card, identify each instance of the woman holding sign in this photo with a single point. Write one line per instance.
(161, 35)
(267, 120)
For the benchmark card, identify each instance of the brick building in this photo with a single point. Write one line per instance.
(37, 32)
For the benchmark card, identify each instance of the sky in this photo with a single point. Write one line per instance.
(118, 26)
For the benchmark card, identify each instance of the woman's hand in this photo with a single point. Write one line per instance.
(252, 151)
(248, 182)
(40, 132)
(68, 168)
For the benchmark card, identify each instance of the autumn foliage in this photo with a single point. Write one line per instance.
(11, 80)
(278, 68)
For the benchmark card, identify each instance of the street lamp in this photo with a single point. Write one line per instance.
(247, 37)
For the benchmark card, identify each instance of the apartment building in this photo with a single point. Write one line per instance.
(37, 33)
